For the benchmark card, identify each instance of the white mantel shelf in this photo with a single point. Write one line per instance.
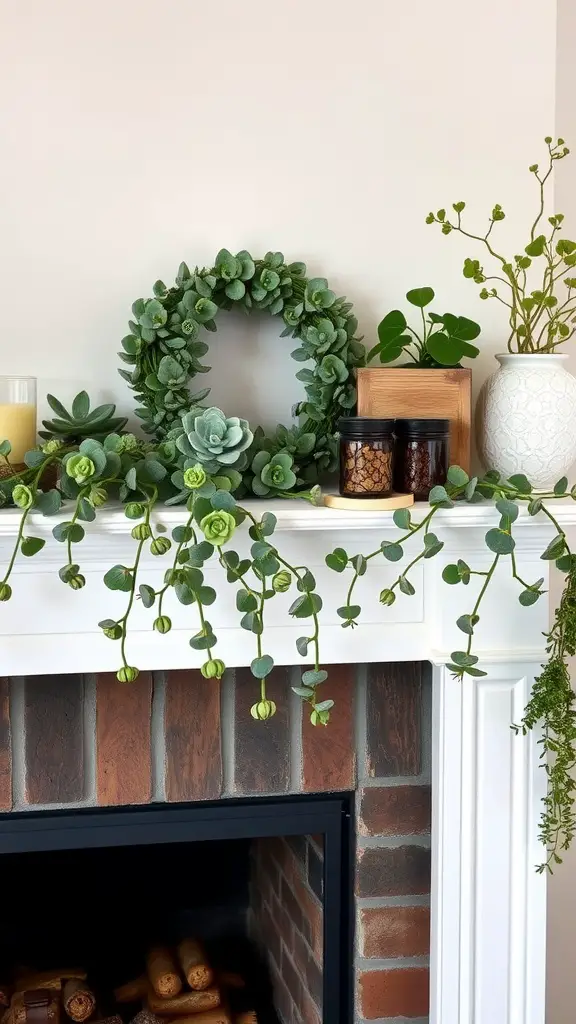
(488, 903)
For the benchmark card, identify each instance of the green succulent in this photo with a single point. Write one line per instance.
(81, 422)
(22, 496)
(213, 439)
(80, 468)
(194, 477)
(272, 473)
(218, 527)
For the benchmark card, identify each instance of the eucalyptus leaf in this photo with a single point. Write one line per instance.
(31, 546)
(500, 542)
(262, 667)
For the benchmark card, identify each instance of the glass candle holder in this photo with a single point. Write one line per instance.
(18, 415)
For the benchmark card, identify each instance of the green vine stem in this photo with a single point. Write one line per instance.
(128, 673)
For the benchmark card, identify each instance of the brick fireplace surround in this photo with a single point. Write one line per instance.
(447, 798)
(69, 741)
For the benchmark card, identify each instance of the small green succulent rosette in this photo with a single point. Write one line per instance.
(272, 473)
(218, 527)
(213, 439)
(80, 468)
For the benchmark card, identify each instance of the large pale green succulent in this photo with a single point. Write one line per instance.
(214, 439)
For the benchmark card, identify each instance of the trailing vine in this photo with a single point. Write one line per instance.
(551, 704)
(208, 462)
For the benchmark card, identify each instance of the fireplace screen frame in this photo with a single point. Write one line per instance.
(330, 815)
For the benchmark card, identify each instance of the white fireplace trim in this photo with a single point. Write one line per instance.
(488, 902)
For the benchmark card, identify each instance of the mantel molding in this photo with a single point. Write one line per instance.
(295, 516)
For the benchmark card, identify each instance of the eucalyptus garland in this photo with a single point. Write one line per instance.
(165, 350)
(201, 462)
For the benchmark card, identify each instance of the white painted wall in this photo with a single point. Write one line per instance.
(136, 133)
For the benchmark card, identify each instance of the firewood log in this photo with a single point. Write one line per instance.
(218, 1016)
(78, 999)
(195, 966)
(132, 991)
(147, 1017)
(185, 1004)
(163, 972)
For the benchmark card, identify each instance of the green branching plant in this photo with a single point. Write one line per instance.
(537, 286)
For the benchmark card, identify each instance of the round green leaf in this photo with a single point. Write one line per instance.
(349, 611)
(466, 623)
(457, 476)
(314, 677)
(402, 518)
(451, 574)
(31, 546)
(499, 542)
(119, 577)
(508, 509)
(420, 297)
(262, 667)
(337, 560)
(555, 548)
(147, 595)
(393, 552)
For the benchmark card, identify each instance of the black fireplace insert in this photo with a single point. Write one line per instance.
(97, 885)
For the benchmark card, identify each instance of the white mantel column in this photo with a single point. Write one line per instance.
(488, 942)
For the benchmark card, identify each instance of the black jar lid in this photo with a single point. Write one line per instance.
(358, 428)
(422, 428)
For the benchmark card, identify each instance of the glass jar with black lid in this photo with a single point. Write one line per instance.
(420, 455)
(366, 455)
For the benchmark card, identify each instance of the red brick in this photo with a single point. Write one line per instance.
(328, 757)
(394, 719)
(54, 738)
(312, 917)
(395, 811)
(291, 978)
(395, 871)
(397, 993)
(394, 931)
(192, 735)
(309, 969)
(123, 762)
(309, 1011)
(261, 749)
(5, 747)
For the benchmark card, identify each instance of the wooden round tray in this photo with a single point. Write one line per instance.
(369, 504)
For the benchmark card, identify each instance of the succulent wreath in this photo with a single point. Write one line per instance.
(164, 350)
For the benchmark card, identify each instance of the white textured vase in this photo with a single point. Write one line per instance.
(526, 418)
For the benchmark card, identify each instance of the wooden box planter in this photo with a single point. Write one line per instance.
(407, 394)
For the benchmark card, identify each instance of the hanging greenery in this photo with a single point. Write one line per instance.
(199, 457)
